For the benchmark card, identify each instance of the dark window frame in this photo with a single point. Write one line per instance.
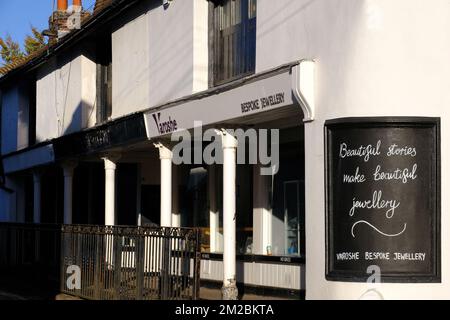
(104, 79)
(236, 57)
(32, 106)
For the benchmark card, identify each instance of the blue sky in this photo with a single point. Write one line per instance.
(16, 16)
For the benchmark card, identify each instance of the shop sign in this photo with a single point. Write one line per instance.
(252, 98)
(383, 199)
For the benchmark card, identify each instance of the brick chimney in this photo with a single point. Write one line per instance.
(65, 19)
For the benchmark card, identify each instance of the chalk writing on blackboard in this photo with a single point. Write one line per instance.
(381, 191)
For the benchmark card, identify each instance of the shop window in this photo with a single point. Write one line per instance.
(197, 205)
(292, 217)
(195, 210)
(288, 197)
(244, 209)
(233, 45)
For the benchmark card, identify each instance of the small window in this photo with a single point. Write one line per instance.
(234, 40)
(104, 92)
(104, 79)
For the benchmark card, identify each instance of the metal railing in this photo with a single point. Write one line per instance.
(130, 263)
(100, 262)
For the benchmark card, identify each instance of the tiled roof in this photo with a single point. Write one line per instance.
(22, 61)
(100, 5)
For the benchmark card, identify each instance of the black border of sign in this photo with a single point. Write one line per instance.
(370, 122)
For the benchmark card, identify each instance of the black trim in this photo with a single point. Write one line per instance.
(244, 288)
(255, 258)
(350, 276)
(127, 130)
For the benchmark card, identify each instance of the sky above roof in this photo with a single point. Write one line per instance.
(17, 16)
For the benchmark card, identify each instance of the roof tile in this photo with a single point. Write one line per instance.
(100, 5)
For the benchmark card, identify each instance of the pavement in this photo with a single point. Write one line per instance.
(205, 294)
(216, 294)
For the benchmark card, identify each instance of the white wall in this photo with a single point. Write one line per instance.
(374, 58)
(157, 57)
(88, 92)
(130, 67)
(66, 94)
(258, 274)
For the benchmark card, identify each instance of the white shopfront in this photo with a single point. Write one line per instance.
(253, 224)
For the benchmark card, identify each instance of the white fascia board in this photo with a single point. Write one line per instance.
(294, 86)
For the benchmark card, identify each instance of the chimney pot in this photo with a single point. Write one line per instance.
(77, 3)
(62, 5)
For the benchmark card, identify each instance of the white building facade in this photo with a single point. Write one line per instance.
(86, 129)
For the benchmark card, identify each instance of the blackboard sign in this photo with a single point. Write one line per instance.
(383, 198)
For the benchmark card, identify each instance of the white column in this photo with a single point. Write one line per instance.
(176, 217)
(213, 212)
(37, 175)
(165, 155)
(68, 169)
(110, 190)
(229, 145)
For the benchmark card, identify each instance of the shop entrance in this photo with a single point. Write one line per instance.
(150, 205)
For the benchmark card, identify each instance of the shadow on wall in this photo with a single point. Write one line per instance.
(174, 78)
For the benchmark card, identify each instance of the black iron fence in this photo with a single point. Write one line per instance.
(127, 263)
(103, 262)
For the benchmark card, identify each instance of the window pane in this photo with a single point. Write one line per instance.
(287, 200)
(244, 209)
(234, 40)
(251, 9)
(291, 207)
